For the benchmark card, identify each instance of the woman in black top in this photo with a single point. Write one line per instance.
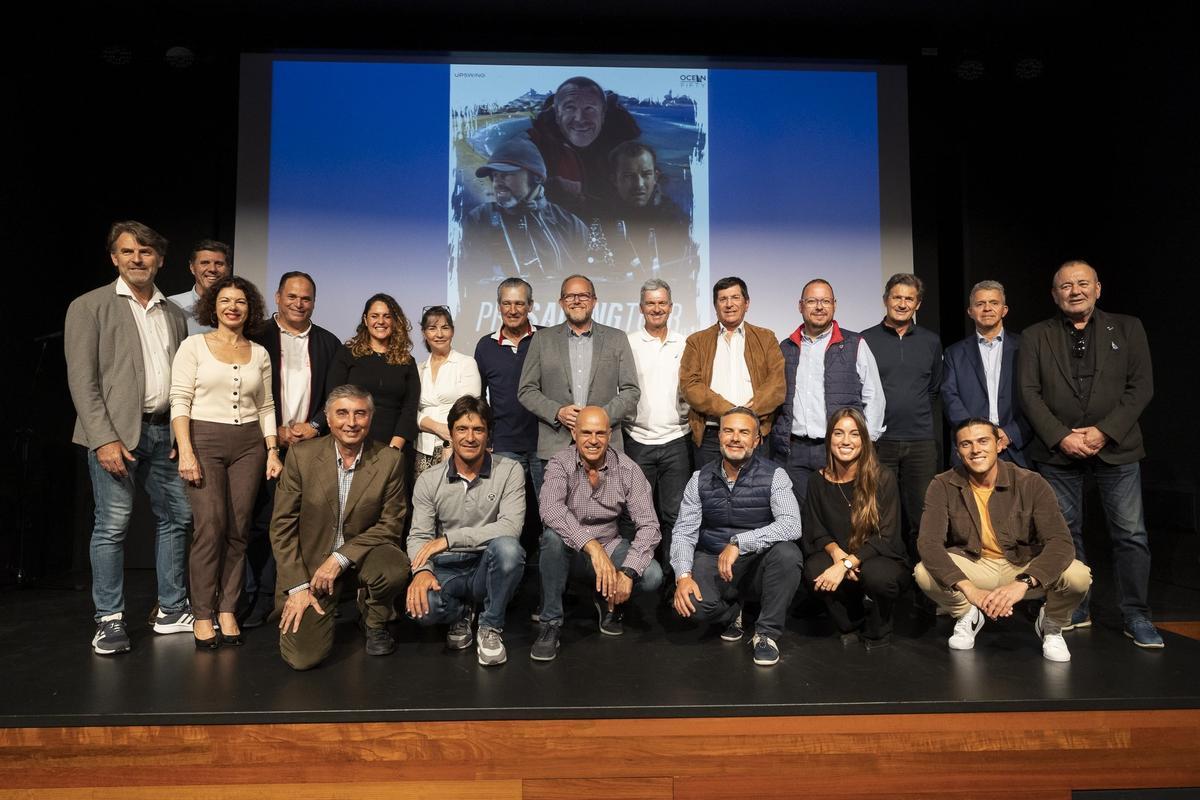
(379, 359)
(851, 538)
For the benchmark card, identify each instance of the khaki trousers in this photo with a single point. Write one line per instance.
(1062, 596)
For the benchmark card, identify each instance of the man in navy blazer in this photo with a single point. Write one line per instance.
(979, 375)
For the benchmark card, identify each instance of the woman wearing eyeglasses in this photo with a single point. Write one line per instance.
(379, 359)
(445, 376)
(854, 557)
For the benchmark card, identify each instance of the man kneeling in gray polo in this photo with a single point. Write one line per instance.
(468, 513)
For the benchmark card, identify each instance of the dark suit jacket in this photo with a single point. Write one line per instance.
(322, 346)
(546, 384)
(964, 390)
(306, 508)
(1029, 527)
(1121, 389)
(105, 372)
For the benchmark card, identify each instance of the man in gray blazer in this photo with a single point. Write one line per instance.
(574, 364)
(120, 340)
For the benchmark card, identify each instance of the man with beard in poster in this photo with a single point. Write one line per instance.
(520, 232)
(575, 131)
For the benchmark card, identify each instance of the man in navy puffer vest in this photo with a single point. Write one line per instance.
(735, 539)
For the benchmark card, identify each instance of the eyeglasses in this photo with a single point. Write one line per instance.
(577, 297)
(1078, 344)
(823, 302)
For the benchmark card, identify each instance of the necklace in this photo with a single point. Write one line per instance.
(842, 492)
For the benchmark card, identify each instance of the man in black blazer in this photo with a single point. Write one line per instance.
(973, 387)
(301, 353)
(1085, 379)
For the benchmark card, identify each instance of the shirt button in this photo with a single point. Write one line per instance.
(235, 366)
(235, 405)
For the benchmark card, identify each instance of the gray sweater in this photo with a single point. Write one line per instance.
(491, 505)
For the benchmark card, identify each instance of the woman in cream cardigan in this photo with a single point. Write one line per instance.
(223, 418)
(445, 376)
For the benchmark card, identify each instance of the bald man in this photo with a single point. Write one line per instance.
(1085, 379)
(585, 489)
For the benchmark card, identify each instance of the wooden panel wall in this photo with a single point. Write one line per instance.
(1035, 756)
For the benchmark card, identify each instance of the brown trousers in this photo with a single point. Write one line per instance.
(232, 460)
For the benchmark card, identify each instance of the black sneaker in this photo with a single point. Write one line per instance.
(462, 633)
(174, 621)
(610, 621)
(545, 648)
(111, 637)
(766, 652)
(733, 631)
(260, 610)
(379, 642)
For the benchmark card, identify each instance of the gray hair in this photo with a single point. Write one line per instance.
(349, 391)
(653, 285)
(986, 286)
(515, 283)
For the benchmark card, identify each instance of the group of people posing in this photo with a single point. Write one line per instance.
(726, 468)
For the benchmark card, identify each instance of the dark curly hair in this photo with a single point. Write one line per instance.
(205, 311)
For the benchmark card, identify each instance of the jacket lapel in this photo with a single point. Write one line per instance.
(130, 341)
(326, 466)
(977, 362)
(1057, 344)
(364, 475)
(598, 343)
(1008, 364)
(1103, 340)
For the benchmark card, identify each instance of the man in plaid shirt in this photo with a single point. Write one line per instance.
(585, 489)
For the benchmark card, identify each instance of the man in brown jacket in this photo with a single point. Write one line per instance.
(991, 535)
(733, 363)
(339, 516)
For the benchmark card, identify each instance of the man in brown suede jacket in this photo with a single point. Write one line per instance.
(991, 535)
(732, 363)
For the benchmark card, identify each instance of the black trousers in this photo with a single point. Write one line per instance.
(880, 578)
(771, 576)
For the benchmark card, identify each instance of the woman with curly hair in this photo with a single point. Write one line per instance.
(379, 359)
(223, 418)
(851, 525)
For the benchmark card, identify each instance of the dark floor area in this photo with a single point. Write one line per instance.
(662, 666)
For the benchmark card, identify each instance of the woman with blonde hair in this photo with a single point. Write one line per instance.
(854, 557)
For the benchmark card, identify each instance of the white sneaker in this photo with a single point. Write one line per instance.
(489, 647)
(965, 630)
(1054, 646)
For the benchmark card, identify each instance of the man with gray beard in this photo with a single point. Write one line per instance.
(520, 233)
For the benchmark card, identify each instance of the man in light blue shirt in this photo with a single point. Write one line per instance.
(209, 262)
(825, 368)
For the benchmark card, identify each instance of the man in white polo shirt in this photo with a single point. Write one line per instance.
(656, 438)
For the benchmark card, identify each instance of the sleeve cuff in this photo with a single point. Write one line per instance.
(299, 588)
(341, 559)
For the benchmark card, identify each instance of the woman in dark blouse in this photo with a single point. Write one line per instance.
(852, 543)
(379, 359)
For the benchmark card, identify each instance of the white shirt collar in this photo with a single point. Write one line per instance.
(648, 337)
(286, 332)
(337, 454)
(124, 290)
(999, 337)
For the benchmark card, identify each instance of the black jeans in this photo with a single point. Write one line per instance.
(805, 456)
(667, 467)
(914, 465)
(772, 576)
(709, 448)
(882, 579)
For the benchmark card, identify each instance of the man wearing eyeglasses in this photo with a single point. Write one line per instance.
(1085, 379)
(826, 367)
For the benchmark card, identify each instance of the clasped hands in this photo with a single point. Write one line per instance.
(1083, 442)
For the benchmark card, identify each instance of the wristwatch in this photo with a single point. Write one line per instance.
(1028, 580)
(629, 573)
(848, 564)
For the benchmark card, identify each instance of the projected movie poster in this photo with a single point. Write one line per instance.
(592, 170)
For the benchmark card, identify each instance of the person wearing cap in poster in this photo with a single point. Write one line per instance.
(519, 232)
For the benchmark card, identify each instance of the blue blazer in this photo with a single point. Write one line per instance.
(964, 391)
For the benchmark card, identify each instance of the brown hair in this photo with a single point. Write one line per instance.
(864, 508)
(205, 311)
(399, 343)
(142, 234)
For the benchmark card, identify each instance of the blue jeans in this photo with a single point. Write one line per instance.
(490, 577)
(709, 448)
(159, 476)
(1120, 488)
(557, 562)
(667, 467)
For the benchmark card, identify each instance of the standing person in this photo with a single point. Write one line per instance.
(827, 368)
(301, 354)
(222, 414)
(445, 376)
(735, 540)
(657, 436)
(119, 340)
(209, 262)
(500, 355)
(852, 544)
(733, 363)
(577, 363)
(980, 373)
(379, 359)
(338, 523)
(909, 359)
(1085, 380)
(464, 543)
